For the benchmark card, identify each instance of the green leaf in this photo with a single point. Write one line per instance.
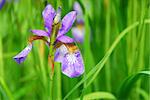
(128, 83)
(99, 95)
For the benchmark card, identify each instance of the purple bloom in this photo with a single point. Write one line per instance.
(72, 62)
(79, 11)
(2, 2)
(23, 54)
(78, 31)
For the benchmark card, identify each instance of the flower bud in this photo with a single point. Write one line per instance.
(57, 18)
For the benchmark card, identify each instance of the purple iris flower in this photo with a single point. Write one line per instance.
(2, 2)
(66, 53)
(78, 31)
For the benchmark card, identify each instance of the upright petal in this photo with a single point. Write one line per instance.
(67, 23)
(23, 54)
(60, 53)
(40, 32)
(72, 64)
(78, 8)
(48, 15)
(78, 34)
(65, 39)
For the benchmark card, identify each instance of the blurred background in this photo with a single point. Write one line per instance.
(124, 75)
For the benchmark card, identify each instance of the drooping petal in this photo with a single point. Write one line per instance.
(78, 34)
(65, 39)
(72, 64)
(40, 32)
(2, 2)
(23, 54)
(48, 15)
(60, 53)
(67, 23)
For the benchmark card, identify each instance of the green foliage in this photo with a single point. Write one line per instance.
(116, 52)
(129, 82)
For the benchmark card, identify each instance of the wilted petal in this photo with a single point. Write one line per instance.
(65, 39)
(67, 23)
(40, 32)
(2, 2)
(72, 64)
(23, 54)
(78, 34)
(48, 15)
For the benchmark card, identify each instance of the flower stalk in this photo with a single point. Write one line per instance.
(51, 49)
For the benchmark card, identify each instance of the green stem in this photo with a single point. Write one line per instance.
(107, 43)
(51, 56)
(57, 84)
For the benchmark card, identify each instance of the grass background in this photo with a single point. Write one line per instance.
(116, 52)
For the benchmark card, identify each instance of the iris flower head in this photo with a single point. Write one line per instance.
(66, 52)
(78, 31)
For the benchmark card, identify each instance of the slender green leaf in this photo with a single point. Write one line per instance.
(6, 89)
(128, 83)
(99, 95)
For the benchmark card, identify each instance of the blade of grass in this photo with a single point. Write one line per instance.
(143, 93)
(107, 43)
(99, 95)
(6, 89)
(128, 83)
(23, 90)
(95, 70)
(1, 60)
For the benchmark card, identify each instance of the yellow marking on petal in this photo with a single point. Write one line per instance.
(71, 47)
(80, 26)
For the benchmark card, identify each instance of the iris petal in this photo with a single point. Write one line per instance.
(78, 34)
(67, 23)
(78, 8)
(65, 39)
(48, 15)
(40, 32)
(60, 53)
(23, 54)
(72, 64)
